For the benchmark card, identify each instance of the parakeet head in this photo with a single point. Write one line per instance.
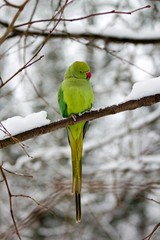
(79, 70)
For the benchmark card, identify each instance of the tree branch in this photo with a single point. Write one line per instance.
(83, 17)
(88, 36)
(31, 60)
(16, 31)
(10, 201)
(87, 116)
(11, 25)
(26, 65)
(11, 4)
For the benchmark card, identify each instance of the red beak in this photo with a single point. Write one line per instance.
(88, 74)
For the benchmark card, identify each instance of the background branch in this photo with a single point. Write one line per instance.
(26, 65)
(87, 116)
(121, 164)
(31, 60)
(85, 17)
(10, 195)
(11, 25)
(88, 36)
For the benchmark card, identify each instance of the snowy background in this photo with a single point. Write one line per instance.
(121, 160)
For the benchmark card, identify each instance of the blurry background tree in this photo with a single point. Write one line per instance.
(121, 164)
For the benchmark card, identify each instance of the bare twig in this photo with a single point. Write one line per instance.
(1, 81)
(149, 199)
(35, 201)
(17, 173)
(10, 195)
(11, 4)
(26, 65)
(38, 93)
(151, 234)
(84, 17)
(10, 201)
(87, 116)
(47, 205)
(91, 44)
(31, 61)
(11, 25)
(7, 133)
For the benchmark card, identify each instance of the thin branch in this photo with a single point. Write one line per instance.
(10, 201)
(91, 44)
(17, 173)
(151, 234)
(1, 81)
(149, 199)
(7, 133)
(47, 205)
(38, 93)
(84, 17)
(11, 28)
(87, 116)
(11, 25)
(11, 4)
(10, 195)
(43, 206)
(26, 65)
(31, 60)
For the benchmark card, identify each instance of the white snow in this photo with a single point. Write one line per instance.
(18, 124)
(144, 88)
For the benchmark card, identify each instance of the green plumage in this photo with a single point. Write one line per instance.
(75, 96)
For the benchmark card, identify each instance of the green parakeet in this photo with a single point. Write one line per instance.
(75, 96)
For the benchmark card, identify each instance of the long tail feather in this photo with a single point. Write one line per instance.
(78, 207)
(76, 144)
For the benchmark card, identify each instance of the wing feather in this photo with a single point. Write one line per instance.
(62, 103)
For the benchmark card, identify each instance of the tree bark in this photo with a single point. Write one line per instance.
(87, 116)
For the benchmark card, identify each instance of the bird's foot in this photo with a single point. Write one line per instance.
(74, 117)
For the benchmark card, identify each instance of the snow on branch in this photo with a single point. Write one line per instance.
(144, 88)
(143, 94)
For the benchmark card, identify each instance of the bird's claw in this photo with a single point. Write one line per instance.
(74, 117)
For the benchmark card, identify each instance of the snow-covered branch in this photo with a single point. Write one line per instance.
(87, 116)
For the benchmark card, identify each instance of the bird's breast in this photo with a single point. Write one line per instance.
(78, 97)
